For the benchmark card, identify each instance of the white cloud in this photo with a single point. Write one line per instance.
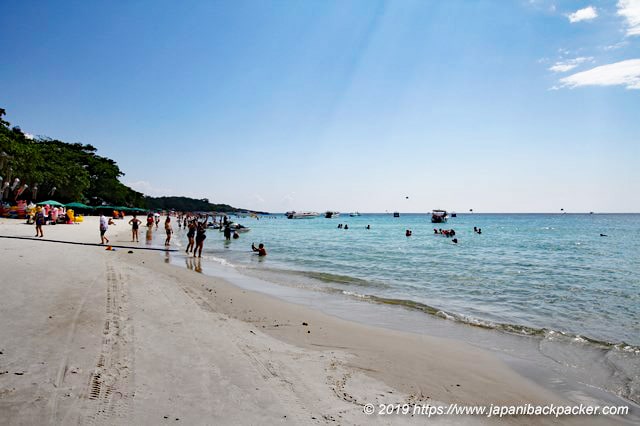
(148, 189)
(586, 14)
(624, 73)
(28, 136)
(618, 45)
(569, 64)
(630, 9)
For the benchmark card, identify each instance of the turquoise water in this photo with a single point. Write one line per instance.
(526, 273)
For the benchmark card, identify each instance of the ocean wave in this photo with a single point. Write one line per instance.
(517, 329)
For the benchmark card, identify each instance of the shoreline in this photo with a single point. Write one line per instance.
(335, 363)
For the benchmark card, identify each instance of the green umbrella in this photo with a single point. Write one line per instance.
(51, 203)
(78, 206)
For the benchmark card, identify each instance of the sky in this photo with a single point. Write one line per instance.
(370, 106)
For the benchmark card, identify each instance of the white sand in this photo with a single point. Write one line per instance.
(104, 337)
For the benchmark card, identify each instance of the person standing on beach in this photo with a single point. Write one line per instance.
(200, 237)
(39, 222)
(103, 229)
(191, 234)
(168, 230)
(135, 224)
(157, 218)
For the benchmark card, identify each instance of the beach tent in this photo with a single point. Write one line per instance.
(78, 206)
(51, 203)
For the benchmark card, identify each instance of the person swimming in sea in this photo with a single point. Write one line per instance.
(408, 233)
(260, 249)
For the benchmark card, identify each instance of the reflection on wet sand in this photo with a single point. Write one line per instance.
(194, 264)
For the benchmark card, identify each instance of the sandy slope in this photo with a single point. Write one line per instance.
(103, 337)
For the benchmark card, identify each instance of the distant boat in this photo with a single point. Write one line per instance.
(453, 214)
(302, 215)
(354, 214)
(330, 214)
(396, 214)
(439, 216)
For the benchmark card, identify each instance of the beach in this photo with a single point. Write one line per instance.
(112, 337)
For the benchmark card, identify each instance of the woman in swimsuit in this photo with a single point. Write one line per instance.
(135, 224)
(190, 234)
(168, 230)
(200, 237)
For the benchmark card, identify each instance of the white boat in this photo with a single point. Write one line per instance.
(302, 215)
(235, 227)
(439, 216)
(239, 228)
(354, 214)
(330, 214)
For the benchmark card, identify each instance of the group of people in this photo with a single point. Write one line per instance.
(196, 226)
(446, 232)
(477, 230)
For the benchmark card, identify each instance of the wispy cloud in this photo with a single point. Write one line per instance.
(616, 46)
(586, 14)
(624, 73)
(630, 10)
(568, 65)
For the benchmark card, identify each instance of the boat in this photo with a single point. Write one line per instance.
(239, 228)
(330, 214)
(234, 227)
(439, 216)
(302, 215)
(454, 214)
(396, 214)
(354, 214)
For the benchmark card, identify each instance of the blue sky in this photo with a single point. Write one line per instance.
(509, 106)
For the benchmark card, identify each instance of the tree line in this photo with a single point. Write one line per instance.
(37, 169)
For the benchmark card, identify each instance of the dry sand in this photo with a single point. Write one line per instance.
(111, 337)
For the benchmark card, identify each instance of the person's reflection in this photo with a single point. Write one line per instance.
(194, 264)
(166, 257)
(149, 235)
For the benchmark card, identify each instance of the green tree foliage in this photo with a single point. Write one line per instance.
(187, 204)
(78, 174)
(75, 170)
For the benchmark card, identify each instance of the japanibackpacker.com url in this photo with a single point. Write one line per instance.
(495, 410)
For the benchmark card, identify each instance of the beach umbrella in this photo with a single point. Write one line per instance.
(51, 203)
(78, 206)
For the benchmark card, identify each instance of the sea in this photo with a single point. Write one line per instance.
(556, 293)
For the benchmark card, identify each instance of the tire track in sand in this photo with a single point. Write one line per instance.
(110, 387)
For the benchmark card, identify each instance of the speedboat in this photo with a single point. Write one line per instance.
(330, 214)
(302, 215)
(235, 227)
(239, 228)
(354, 214)
(396, 214)
(439, 216)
